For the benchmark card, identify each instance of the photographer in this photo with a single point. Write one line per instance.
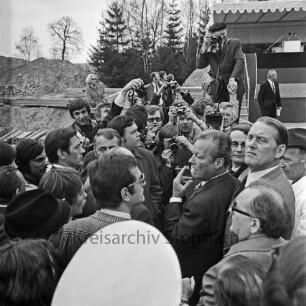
(226, 60)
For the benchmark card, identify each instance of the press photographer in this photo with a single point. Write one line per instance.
(225, 57)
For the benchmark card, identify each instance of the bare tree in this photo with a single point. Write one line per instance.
(66, 35)
(28, 46)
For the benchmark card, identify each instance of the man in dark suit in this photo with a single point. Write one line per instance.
(269, 97)
(153, 86)
(264, 146)
(195, 229)
(226, 55)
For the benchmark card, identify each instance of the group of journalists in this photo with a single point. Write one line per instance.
(189, 177)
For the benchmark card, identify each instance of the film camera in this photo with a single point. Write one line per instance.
(142, 92)
(215, 43)
(181, 111)
(173, 145)
(171, 85)
(214, 119)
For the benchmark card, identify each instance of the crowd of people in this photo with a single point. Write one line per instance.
(229, 200)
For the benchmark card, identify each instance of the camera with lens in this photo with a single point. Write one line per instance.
(142, 92)
(215, 43)
(214, 119)
(181, 111)
(150, 144)
(173, 145)
(171, 85)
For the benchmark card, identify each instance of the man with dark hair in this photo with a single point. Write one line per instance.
(64, 148)
(31, 161)
(238, 168)
(225, 57)
(146, 162)
(268, 96)
(265, 145)
(117, 184)
(79, 110)
(195, 229)
(153, 86)
(294, 166)
(259, 220)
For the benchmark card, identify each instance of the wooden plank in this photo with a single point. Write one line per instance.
(38, 134)
(7, 135)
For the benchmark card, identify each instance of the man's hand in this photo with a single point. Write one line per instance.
(187, 288)
(178, 188)
(232, 86)
(190, 115)
(132, 85)
(206, 43)
(167, 156)
(183, 140)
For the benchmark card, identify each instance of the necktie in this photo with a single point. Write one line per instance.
(273, 87)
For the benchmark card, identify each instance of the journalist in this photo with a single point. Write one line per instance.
(225, 57)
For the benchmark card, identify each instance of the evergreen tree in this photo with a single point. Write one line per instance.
(106, 57)
(116, 27)
(174, 29)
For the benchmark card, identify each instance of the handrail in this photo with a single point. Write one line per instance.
(246, 71)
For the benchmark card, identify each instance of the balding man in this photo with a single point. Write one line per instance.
(259, 219)
(264, 146)
(268, 96)
(294, 166)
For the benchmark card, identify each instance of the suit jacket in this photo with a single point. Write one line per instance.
(278, 180)
(266, 97)
(258, 250)
(152, 190)
(231, 63)
(195, 229)
(150, 91)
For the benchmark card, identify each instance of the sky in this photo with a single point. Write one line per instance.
(17, 14)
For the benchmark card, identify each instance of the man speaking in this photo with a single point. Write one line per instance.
(225, 57)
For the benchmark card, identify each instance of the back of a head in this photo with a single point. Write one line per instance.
(119, 123)
(269, 207)
(58, 139)
(62, 183)
(239, 283)
(282, 132)
(26, 150)
(139, 114)
(110, 174)
(285, 284)
(11, 180)
(7, 154)
(28, 273)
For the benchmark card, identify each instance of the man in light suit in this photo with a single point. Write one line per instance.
(264, 146)
(195, 228)
(268, 96)
(228, 57)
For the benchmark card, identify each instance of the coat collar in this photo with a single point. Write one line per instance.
(257, 244)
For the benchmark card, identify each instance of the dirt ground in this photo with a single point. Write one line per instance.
(34, 118)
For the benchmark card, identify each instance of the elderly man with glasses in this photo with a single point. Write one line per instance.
(259, 220)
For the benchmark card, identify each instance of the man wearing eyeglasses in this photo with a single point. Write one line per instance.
(118, 186)
(265, 145)
(259, 220)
